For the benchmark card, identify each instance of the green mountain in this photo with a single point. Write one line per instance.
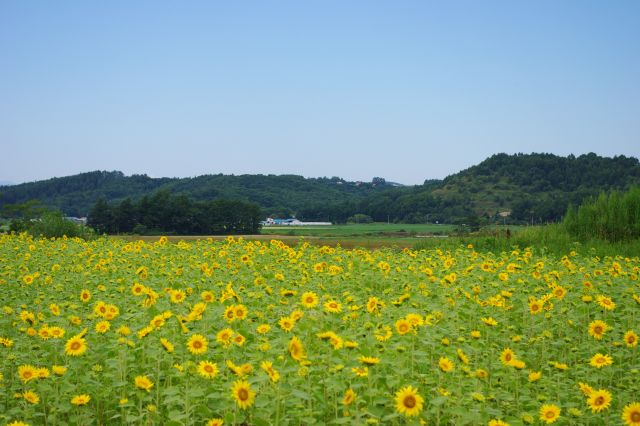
(531, 187)
(277, 195)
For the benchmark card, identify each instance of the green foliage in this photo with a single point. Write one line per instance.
(53, 224)
(360, 218)
(613, 217)
(535, 188)
(165, 213)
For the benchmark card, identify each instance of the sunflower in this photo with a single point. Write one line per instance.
(103, 326)
(42, 372)
(496, 422)
(197, 344)
(55, 309)
(263, 328)
(462, 356)
(559, 292)
(178, 296)
(403, 326)
(408, 401)
(332, 307)
(599, 360)
(585, 388)
(243, 394)
(349, 397)
(167, 345)
(56, 332)
(207, 369)
(549, 413)
(143, 382)
(75, 346)
(445, 364)
(224, 336)
(239, 339)
(489, 321)
(208, 296)
(369, 360)
(606, 302)
(534, 376)
(229, 314)
(215, 422)
(267, 366)
(85, 295)
(631, 414)
(597, 329)
(240, 312)
(309, 299)
(296, 350)
(31, 397)
(507, 357)
(286, 323)
(599, 400)
(535, 307)
(631, 339)
(137, 289)
(360, 371)
(80, 399)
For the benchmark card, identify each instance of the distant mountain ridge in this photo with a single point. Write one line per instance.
(276, 194)
(531, 187)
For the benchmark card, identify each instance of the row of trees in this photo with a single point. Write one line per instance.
(614, 217)
(165, 213)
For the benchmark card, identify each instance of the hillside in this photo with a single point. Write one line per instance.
(533, 187)
(277, 195)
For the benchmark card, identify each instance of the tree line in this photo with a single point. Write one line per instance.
(613, 216)
(167, 213)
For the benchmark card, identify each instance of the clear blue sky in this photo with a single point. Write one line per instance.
(406, 90)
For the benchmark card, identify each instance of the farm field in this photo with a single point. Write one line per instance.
(360, 230)
(259, 332)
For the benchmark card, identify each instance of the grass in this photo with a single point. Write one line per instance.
(548, 239)
(360, 230)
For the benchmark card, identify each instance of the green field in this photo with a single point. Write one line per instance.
(360, 230)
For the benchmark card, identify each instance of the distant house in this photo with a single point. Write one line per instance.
(77, 220)
(291, 222)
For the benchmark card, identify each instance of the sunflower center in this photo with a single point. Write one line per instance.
(197, 344)
(550, 414)
(208, 369)
(600, 400)
(243, 394)
(635, 416)
(27, 374)
(507, 357)
(410, 401)
(597, 329)
(75, 346)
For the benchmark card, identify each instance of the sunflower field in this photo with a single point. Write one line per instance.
(110, 332)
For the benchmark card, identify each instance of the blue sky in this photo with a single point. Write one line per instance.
(406, 90)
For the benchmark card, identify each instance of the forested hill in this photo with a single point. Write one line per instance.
(538, 186)
(533, 187)
(277, 195)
